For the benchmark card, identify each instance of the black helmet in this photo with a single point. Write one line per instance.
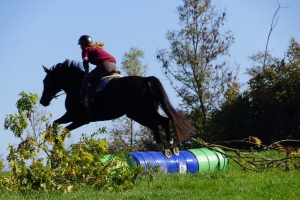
(85, 40)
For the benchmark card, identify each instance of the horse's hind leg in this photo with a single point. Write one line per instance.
(152, 121)
(164, 122)
(145, 120)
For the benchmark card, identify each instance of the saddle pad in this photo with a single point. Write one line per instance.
(101, 85)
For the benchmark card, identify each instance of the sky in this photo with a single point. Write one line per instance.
(36, 33)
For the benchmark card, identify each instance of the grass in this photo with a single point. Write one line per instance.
(233, 184)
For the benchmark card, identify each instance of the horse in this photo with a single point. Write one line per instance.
(134, 96)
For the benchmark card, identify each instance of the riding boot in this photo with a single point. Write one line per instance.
(90, 92)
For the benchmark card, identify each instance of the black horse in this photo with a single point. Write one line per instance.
(136, 97)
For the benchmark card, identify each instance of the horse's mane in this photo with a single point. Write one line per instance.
(68, 65)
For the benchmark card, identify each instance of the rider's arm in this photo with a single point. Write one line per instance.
(85, 59)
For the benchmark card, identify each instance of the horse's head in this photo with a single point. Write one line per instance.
(51, 87)
(62, 76)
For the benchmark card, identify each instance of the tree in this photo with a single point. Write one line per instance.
(269, 108)
(275, 97)
(124, 136)
(132, 64)
(191, 64)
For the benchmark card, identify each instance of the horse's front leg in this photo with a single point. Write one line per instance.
(66, 118)
(63, 119)
(76, 124)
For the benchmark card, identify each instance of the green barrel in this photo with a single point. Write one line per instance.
(210, 160)
(223, 159)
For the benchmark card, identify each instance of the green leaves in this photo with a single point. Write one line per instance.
(16, 123)
(26, 102)
(132, 64)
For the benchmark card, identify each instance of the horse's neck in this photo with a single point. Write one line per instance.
(73, 87)
(72, 96)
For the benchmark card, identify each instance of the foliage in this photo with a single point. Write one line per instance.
(191, 65)
(269, 108)
(63, 170)
(132, 64)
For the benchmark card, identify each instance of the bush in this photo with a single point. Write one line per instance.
(62, 169)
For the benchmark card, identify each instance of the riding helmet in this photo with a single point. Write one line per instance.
(85, 40)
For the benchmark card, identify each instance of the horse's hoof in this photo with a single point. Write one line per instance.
(168, 153)
(175, 151)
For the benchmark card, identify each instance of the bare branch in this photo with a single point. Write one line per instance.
(273, 25)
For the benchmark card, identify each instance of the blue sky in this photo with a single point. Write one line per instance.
(36, 33)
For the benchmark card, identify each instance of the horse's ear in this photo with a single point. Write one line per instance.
(45, 69)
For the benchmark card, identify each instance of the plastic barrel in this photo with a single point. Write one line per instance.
(223, 159)
(184, 159)
(191, 161)
(209, 160)
(173, 163)
(160, 161)
(151, 157)
(184, 162)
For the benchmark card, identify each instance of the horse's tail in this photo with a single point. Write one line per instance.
(183, 126)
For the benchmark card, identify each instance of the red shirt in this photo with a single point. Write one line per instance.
(95, 56)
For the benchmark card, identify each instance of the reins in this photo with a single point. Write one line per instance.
(55, 97)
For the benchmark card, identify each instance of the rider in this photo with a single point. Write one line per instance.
(94, 54)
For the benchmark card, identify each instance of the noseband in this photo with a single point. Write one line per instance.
(49, 96)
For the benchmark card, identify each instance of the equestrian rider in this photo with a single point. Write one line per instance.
(94, 54)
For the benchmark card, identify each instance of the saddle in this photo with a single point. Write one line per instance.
(113, 74)
(100, 84)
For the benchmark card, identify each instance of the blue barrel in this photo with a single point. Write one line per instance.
(154, 158)
(160, 160)
(138, 159)
(191, 161)
(173, 163)
(185, 159)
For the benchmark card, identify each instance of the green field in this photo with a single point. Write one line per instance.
(236, 183)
